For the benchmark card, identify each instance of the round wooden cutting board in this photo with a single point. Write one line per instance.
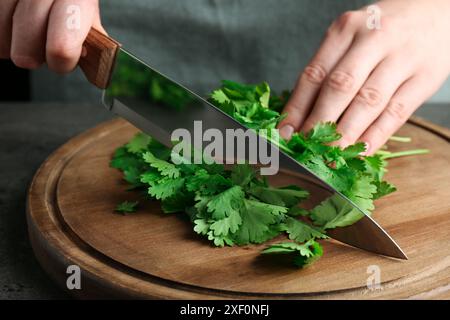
(149, 254)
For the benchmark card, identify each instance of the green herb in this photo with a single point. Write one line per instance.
(304, 254)
(235, 206)
(400, 139)
(390, 155)
(127, 207)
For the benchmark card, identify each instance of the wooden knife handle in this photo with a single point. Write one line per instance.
(98, 56)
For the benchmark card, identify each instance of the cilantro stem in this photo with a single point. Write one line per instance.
(389, 155)
(383, 152)
(400, 139)
(281, 146)
(285, 149)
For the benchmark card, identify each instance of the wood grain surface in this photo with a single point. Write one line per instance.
(155, 255)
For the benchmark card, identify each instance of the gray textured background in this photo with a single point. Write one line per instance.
(200, 42)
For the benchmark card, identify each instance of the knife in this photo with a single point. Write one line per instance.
(131, 90)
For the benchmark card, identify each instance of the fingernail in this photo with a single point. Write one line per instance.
(366, 152)
(286, 131)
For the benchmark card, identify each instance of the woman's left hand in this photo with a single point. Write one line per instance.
(369, 79)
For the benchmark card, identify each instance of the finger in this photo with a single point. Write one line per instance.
(372, 98)
(337, 41)
(404, 102)
(68, 27)
(29, 33)
(6, 13)
(344, 81)
(97, 24)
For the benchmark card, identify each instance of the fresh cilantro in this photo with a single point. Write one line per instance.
(138, 143)
(236, 206)
(166, 188)
(225, 203)
(124, 160)
(353, 151)
(164, 167)
(227, 225)
(324, 133)
(286, 196)
(242, 175)
(304, 254)
(301, 231)
(127, 207)
(201, 226)
(132, 175)
(258, 222)
(383, 188)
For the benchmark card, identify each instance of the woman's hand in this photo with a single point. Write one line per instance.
(371, 80)
(36, 31)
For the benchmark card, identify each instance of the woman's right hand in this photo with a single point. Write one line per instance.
(46, 31)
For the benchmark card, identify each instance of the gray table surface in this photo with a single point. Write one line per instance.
(28, 134)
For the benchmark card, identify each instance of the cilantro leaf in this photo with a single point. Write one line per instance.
(362, 193)
(139, 143)
(219, 241)
(257, 222)
(248, 104)
(164, 167)
(226, 202)
(201, 226)
(353, 150)
(375, 166)
(305, 254)
(150, 177)
(335, 211)
(123, 160)
(383, 188)
(296, 211)
(166, 188)
(242, 174)
(342, 179)
(227, 225)
(285, 196)
(127, 207)
(206, 183)
(301, 231)
(220, 97)
(132, 175)
(178, 202)
(316, 252)
(324, 132)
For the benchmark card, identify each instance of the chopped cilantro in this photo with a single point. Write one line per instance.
(127, 207)
(235, 206)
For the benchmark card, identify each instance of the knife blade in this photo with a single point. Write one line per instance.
(127, 80)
